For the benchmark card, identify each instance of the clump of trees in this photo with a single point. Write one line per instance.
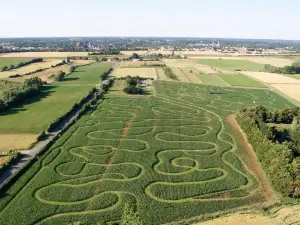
(169, 73)
(292, 69)
(11, 93)
(277, 149)
(72, 69)
(59, 76)
(133, 85)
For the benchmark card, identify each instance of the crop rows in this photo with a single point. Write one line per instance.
(171, 155)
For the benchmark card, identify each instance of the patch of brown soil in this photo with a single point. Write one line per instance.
(269, 193)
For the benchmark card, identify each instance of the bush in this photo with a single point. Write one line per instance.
(59, 76)
(72, 69)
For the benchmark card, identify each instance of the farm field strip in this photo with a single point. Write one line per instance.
(130, 64)
(275, 61)
(42, 54)
(161, 74)
(141, 72)
(271, 78)
(179, 73)
(212, 80)
(16, 141)
(240, 80)
(173, 151)
(191, 75)
(29, 68)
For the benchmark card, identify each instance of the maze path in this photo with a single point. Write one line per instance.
(172, 151)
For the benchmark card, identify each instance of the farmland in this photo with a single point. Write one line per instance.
(232, 65)
(240, 80)
(141, 72)
(11, 61)
(41, 110)
(42, 54)
(174, 151)
(127, 64)
(29, 68)
(212, 80)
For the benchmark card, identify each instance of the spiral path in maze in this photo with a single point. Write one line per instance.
(171, 155)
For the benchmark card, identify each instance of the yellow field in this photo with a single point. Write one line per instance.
(141, 72)
(191, 63)
(291, 90)
(43, 54)
(161, 74)
(190, 73)
(82, 62)
(16, 141)
(271, 78)
(181, 76)
(279, 62)
(127, 64)
(30, 68)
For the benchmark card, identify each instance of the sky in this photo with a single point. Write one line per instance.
(263, 19)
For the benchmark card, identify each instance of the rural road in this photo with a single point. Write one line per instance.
(28, 154)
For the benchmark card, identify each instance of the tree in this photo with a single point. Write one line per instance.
(159, 55)
(11, 67)
(72, 68)
(135, 56)
(129, 217)
(59, 76)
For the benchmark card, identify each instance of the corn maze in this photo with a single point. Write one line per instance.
(172, 156)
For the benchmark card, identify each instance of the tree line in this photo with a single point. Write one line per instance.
(20, 64)
(277, 149)
(292, 69)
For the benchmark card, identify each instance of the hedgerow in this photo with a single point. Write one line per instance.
(172, 153)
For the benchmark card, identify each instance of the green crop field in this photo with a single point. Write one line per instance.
(172, 155)
(233, 65)
(240, 80)
(211, 80)
(12, 61)
(89, 74)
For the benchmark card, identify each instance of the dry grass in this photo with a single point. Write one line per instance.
(3, 159)
(141, 72)
(44, 54)
(180, 74)
(279, 62)
(271, 78)
(117, 88)
(82, 62)
(161, 74)
(30, 68)
(191, 75)
(127, 64)
(291, 90)
(238, 219)
(16, 141)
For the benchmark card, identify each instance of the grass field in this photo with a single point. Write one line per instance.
(232, 65)
(141, 72)
(272, 78)
(86, 75)
(240, 80)
(212, 80)
(172, 155)
(30, 68)
(12, 61)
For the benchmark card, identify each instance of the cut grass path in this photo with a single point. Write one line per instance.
(240, 80)
(212, 80)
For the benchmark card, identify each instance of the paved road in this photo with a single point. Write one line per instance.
(28, 154)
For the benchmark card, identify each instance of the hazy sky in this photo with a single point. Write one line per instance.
(278, 19)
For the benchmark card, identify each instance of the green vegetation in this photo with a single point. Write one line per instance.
(59, 76)
(240, 80)
(233, 65)
(293, 69)
(7, 62)
(87, 75)
(277, 149)
(212, 80)
(170, 156)
(13, 93)
(169, 73)
(133, 85)
(20, 64)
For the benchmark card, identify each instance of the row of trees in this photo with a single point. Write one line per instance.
(133, 85)
(12, 93)
(12, 66)
(281, 160)
(293, 69)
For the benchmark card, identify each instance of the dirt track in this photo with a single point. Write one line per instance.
(269, 193)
